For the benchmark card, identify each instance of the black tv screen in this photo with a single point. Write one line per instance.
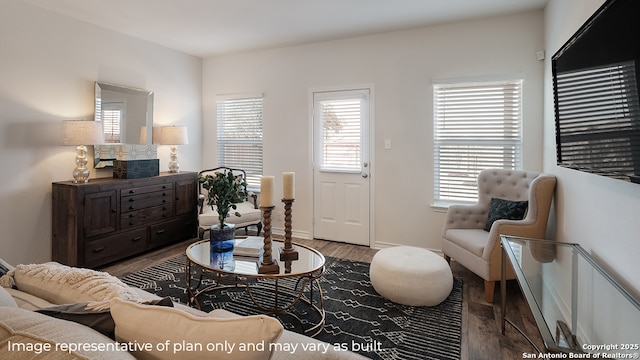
(597, 106)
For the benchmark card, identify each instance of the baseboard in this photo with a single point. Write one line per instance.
(294, 233)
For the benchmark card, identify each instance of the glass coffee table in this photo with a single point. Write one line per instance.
(279, 294)
(578, 306)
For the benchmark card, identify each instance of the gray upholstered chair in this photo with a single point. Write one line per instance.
(464, 237)
(249, 211)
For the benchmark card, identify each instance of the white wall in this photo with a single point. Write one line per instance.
(599, 213)
(402, 66)
(48, 65)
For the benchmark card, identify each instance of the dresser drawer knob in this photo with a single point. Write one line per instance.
(131, 223)
(97, 250)
(160, 232)
(138, 238)
(132, 191)
(131, 207)
(132, 200)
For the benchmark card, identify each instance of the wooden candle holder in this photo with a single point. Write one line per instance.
(266, 264)
(288, 252)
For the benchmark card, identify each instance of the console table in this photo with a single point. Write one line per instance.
(108, 219)
(577, 305)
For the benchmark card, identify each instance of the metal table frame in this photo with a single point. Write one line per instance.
(287, 287)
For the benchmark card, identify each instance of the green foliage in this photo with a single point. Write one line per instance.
(225, 190)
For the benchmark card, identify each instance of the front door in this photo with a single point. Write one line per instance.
(341, 166)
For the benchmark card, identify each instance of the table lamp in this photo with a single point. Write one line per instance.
(173, 135)
(81, 133)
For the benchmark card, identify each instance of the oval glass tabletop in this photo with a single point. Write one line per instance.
(309, 260)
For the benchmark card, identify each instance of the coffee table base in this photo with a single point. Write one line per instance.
(270, 295)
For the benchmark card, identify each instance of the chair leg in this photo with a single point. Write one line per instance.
(489, 289)
(259, 226)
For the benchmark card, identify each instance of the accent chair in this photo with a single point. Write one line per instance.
(510, 202)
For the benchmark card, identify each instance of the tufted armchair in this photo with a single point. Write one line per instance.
(464, 237)
(249, 211)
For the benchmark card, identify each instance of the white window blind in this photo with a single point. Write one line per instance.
(341, 115)
(240, 136)
(111, 119)
(476, 126)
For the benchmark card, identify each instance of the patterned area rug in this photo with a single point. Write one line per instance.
(356, 316)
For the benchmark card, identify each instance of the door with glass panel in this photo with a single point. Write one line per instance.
(341, 165)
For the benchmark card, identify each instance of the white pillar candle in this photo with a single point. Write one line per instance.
(266, 191)
(288, 185)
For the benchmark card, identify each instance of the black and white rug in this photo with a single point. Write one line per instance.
(356, 316)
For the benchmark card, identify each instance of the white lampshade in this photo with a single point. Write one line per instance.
(172, 135)
(155, 131)
(80, 132)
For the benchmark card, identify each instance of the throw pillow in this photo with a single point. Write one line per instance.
(505, 209)
(99, 320)
(26, 334)
(192, 337)
(61, 284)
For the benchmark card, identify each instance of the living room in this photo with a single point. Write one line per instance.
(50, 63)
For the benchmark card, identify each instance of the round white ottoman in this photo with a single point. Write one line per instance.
(411, 276)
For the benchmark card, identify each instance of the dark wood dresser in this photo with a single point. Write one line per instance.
(109, 219)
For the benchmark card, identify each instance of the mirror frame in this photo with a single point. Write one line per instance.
(103, 158)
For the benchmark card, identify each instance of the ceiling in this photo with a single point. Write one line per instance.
(211, 27)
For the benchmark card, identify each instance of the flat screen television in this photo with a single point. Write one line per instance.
(597, 105)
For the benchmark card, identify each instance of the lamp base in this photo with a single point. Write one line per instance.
(174, 165)
(81, 172)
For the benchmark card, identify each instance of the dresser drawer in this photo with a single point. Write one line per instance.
(172, 231)
(145, 189)
(145, 216)
(146, 200)
(102, 251)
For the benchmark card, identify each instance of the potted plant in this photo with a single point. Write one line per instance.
(224, 191)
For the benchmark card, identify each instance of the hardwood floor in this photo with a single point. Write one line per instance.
(481, 334)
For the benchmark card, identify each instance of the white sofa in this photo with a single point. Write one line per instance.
(25, 333)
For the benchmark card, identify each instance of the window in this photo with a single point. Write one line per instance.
(112, 117)
(111, 120)
(340, 117)
(240, 136)
(476, 126)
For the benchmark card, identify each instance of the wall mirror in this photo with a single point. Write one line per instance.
(127, 118)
